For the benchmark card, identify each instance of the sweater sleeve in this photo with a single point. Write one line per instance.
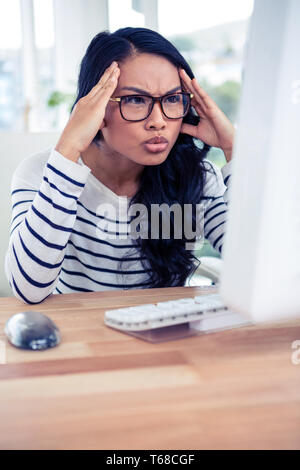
(215, 203)
(44, 207)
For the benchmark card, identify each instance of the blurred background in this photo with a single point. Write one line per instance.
(43, 41)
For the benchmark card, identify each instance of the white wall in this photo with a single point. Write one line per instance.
(13, 148)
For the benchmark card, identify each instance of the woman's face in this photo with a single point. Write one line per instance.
(149, 74)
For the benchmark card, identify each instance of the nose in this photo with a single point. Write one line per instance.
(156, 119)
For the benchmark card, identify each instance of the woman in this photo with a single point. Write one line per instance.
(120, 148)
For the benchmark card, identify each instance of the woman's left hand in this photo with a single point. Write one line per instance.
(214, 127)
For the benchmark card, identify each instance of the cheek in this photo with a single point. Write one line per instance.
(176, 127)
(113, 124)
(118, 132)
(112, 116)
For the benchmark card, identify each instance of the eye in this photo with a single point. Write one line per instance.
(173, 99)
(134, 99)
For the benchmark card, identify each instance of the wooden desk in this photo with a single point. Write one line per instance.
(102, 389)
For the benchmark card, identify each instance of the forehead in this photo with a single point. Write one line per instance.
(149, 72)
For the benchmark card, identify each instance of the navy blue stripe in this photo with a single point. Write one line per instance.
(86, 221)
(99, 255)
(113, 233)
(212, 198)
(105, 270)
(45, 219)
(21, 202)
(217, 240)
(213, 217)
(23, 296)
(28, 278)
(18, 215)
(61, 192)
(226, 179)
(60, 292)
(15, 228)
(42, 240)
(105, 218)
(36, 259)
(56, 206)
(81, 185)
(23, 190)
(210, 232)
(214, 207)
(103, 242)
(75, 273)
(79, 289)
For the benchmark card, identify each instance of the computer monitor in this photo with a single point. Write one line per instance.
(261, 271)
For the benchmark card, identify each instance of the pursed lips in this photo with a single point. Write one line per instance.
(157, 140)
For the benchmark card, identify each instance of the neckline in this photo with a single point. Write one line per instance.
(102, 185)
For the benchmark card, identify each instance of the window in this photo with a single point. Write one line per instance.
(211, 36)
(11, 91)
(124, 13)
(45, 64)
(26, 64)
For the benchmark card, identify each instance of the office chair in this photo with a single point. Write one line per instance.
(210, 268)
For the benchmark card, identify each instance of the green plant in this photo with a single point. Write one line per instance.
(58, 98)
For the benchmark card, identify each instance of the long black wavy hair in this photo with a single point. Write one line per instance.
(179, 179)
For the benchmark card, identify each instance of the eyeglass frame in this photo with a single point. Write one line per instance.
(154, 100)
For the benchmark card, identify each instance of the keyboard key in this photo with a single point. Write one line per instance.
(209, 302)
(148, 316)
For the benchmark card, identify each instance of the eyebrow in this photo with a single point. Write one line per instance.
(144, 92)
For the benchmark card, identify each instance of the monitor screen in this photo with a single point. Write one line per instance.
(261, 273)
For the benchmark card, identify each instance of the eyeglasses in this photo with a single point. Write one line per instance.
(139, 107)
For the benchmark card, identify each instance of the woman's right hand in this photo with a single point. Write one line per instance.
(87, 116)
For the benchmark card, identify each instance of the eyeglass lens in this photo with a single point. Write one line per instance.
(137, 107)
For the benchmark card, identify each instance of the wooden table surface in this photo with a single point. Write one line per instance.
(103, 389)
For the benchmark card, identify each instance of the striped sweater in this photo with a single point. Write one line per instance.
(65, 236)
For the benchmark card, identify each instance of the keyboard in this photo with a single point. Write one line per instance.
(172, 312)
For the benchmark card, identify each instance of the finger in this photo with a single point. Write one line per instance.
(196, 101)
(209, 102)
(201, 111)
(103, 79)
(110, 82)
(186, 79)
(189, 88)
(200, 96)
(105, 91)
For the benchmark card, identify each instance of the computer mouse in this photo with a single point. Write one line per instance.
(32, 330)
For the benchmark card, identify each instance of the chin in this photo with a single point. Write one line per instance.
(154, 159)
